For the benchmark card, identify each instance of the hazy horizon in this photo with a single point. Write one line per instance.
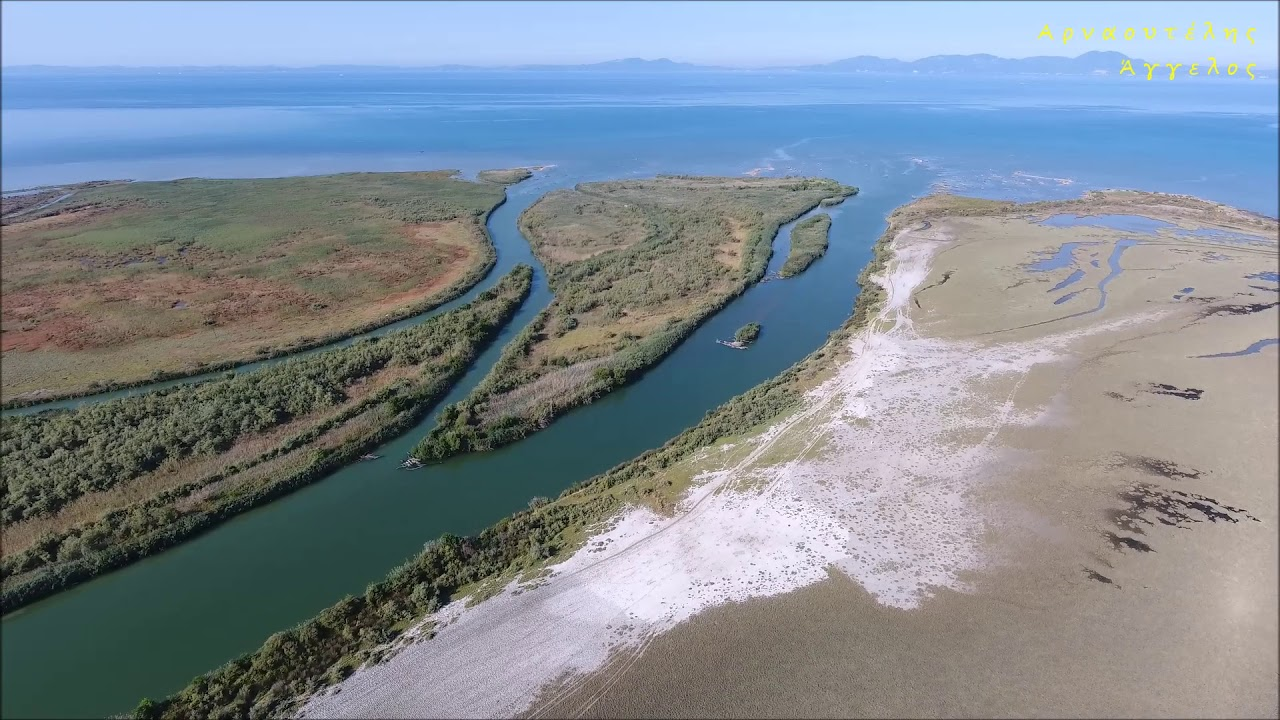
(1270, 66)
(502, 34)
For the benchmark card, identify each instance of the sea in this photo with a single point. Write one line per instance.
(148, 629)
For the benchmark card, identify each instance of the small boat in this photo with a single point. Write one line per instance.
(370, 456)
(412, 463)
(733, 344)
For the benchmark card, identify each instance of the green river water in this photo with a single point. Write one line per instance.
(148, 629)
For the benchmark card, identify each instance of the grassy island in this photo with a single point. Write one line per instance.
(120, 284)
(510, 176)
(635, 266)
(747, 334)
(808, 243)
(95, 488)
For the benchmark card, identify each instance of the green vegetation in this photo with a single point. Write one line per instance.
(747, 334)
(831, 202)
(298, 662)
(808, 243)
(204, 453)
(635, 266)
(127, 283)
(295, 663)
(505, 177)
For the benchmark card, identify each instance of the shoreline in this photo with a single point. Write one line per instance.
(1067, 585)
(650, 481)
(594, 639)
(608, 628)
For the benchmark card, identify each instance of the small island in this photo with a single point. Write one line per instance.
(747, 334)
(808, 243)
(509, 176)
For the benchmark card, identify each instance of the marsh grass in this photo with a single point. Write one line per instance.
(808, 243)
(91, 284)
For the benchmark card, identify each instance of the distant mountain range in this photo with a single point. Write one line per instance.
(1090, 63)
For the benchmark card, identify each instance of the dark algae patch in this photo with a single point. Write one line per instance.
(1155, 466)
(945, 277)
(1120, 543)
(1144, 505)
(1099, 577)
(1237, 309)
(1184, 393)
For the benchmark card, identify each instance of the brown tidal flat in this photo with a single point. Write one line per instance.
(1134, 523)
(1040, 480)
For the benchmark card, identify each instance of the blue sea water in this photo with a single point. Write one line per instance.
(1020, 137)
(1146, 225)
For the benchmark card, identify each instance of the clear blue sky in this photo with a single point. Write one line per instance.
(491, 33)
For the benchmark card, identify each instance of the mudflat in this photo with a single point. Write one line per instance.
(1114, 555)
(117, 282)
(991, 501)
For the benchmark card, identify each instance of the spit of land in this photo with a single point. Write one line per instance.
(636, 266)
(1034, 475)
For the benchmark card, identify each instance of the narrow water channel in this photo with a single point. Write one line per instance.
(148, 629)
(518, 198)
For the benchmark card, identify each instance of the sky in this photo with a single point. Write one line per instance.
(739, 34)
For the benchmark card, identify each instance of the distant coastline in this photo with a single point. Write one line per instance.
(1090, 63)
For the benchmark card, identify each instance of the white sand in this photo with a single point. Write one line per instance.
(886, 502)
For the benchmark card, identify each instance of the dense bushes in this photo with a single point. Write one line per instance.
(808, 243)
(747, 334)
(442, 347)
(51, 459)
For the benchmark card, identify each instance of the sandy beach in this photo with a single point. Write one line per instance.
(1042, 481)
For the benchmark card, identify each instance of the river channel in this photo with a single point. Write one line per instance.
(147, 629)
